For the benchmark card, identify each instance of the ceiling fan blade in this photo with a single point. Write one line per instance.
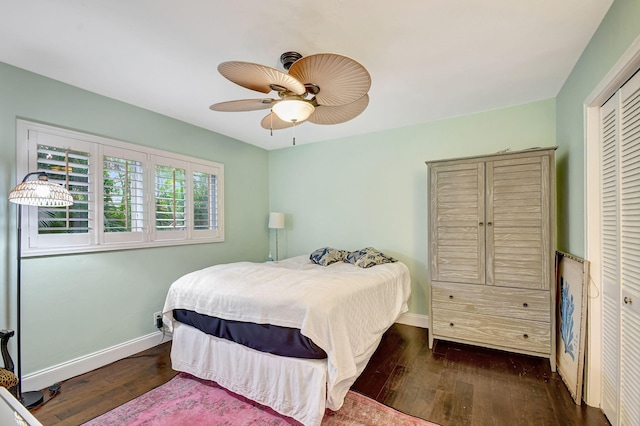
(341, 79)
(324, 114)
(259, 77)
(243, 105)
(273, 122)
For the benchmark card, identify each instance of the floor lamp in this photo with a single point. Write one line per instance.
(276, 221)
(40, 193)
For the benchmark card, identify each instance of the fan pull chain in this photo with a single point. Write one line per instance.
(294, 133)
(271, 125)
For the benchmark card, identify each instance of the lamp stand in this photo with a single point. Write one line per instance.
(39, 193)
(32, 398)
(276, 221)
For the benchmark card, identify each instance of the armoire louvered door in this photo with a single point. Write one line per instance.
(620, 168)
(458, 243)
(517, 223)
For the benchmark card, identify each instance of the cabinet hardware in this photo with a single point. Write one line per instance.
(451, 296)
(525, 305)
(526, 336)
(489, 223)
(481, 223)
(451, 324)
(627, 300)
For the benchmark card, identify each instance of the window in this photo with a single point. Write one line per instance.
(170, 198)
(205, 213)
(125, 196)
(71, 169)
(122, 191)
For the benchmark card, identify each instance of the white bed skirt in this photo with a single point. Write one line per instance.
(291, 386)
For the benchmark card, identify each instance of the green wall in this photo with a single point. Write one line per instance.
(75, 305)
(371, 190)
(619, 28)
(360, 191)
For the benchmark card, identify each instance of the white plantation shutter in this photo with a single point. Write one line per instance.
(206, 192)
(67, 162)
(125, 195)
(123, 188)
(620, 163)
(204, 211)
(170, 210)
(70, 168)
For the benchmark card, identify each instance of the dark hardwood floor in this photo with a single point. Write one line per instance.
(87, 396)
(452, 385)
(460, 385)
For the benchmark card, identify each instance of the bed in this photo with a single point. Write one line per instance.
(342, 309)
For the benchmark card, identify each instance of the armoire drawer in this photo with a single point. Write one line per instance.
(519, 334)
(489, 300)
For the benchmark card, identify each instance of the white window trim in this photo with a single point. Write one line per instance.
(94, 241)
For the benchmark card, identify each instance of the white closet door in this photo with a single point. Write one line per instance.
(620, 127)
(630, 252)
(610, 281)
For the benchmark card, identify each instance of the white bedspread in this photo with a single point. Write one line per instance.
(343, 308)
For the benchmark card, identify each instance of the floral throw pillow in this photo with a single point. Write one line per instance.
(368, 257)
(326, 256)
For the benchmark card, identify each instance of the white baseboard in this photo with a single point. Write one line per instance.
(44, 378)
(75, 367)
(416, 320)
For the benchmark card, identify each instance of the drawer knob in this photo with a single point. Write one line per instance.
(481, 224)
(489, 223)
(450, 324)
(525, 305)
(451, 296)
(526, 336)
(627, 300)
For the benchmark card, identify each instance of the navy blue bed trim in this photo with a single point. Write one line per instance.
(277, 340)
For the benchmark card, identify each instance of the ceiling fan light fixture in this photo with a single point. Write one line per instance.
(293, 110)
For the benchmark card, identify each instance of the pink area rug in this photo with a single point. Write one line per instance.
(186, 400)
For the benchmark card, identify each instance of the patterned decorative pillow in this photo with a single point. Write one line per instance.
(326, 256)
(368, 257)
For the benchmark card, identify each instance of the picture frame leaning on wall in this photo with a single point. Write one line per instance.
(572, 281)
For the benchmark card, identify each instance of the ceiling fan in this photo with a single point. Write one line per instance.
(324, 88)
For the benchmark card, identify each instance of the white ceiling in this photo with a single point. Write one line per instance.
(428, 59)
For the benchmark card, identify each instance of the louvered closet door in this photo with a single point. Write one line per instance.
(457, 223)
(610, 281)
(630, 252)
(518, 240)
(620, 124)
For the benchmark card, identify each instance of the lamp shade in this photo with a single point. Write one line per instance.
(40, 192)
(293, 110)
(276, 220)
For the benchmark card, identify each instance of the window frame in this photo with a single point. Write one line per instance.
(29, 134)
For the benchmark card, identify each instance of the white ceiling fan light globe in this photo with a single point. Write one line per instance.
(293, 110)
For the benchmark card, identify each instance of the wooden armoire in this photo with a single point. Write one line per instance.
(492, 251)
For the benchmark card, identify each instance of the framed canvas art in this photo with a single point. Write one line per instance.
(572, 275)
